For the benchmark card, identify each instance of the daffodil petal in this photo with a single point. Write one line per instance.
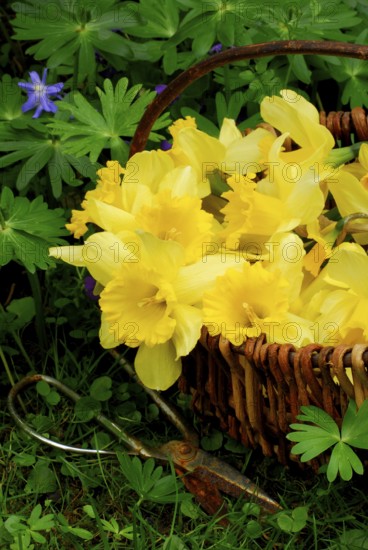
(350, 269)
(286, 258)
(157, 367)
(69, 254)
(187, 330)
(294, 114)
(148, 168)
(182, 182)
(349, 194)
(229, 132)
(363, 156)
(108, 333)
(109, 217)
(246, 155)
(102, 254)
(194, 279)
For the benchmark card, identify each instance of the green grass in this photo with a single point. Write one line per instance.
(94, 506)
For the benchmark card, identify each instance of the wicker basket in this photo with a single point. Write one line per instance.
(255, 391)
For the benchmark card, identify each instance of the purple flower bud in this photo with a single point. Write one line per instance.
(166, 145)
(89, 285)
(160, 88)
(216, 48)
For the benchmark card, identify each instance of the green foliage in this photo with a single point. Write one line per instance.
(100, 388)
(28, 229)
(314, 440)
(213, 441)
(86, 408)
(17, 315)
(10, 100)
(42, 479)
(90, 46)
(24, 531)
(92, 131)
(315, 18)
(351, 74)
(42, 150)
(70, 32)
(149, 482)
(293, 521)
(52, 397)
(158, 20)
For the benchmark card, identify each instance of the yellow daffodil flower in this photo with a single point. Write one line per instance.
(252, 218)
(231, 153)
(351, 193)
(337, 300)
(150, 299)
(258, 298)
(296, 117)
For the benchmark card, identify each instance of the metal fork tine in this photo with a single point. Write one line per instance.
(135, 445)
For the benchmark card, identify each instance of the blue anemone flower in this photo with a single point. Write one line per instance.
(38, 94)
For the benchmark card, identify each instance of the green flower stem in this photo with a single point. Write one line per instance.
(21, 347)
(10, 376)
(40, 321)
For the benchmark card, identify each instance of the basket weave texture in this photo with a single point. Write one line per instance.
(255, 391)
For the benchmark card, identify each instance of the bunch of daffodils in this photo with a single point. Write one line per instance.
(231, 233)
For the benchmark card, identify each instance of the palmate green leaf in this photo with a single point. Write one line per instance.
(38, 523)
(66, 29)
(312, 444)
(343, 460)
(211, 20)
(352, 75)
(354, 429)
(29, 228)
(319, 19)
(38, 149)
(41, 479)
(154, 19)
(313, 440)
(93, 130)
(320, 418)
(148, 481)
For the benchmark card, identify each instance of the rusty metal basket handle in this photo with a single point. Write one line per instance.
(253, 51)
